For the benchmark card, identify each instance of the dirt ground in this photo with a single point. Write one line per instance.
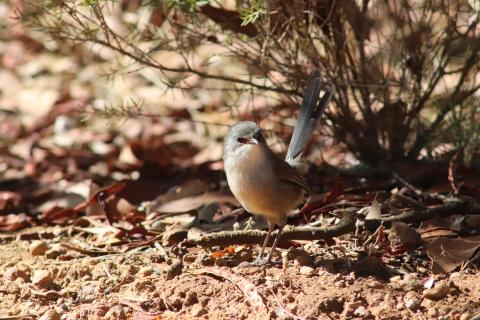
(325, 283)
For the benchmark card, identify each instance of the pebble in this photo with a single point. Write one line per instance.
(220, 262)
(115, 312)
(438, 292)
(38, 248)
(198, 310)
(50, 315)
(466, 316)
(300, 257)
(173, 236)
(411, 300)
(53, 253)
(411, 281)
(13, 273)
(362, 312)
(146, 271)
(42, 278)
(432, 312)
(306, 270)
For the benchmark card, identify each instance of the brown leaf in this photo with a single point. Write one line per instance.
(448, 254)
(194, 202)
(402, 233)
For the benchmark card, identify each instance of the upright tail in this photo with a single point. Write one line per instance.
(310, 112)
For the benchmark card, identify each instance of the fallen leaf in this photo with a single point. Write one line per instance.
(194, 202)
(448, 254)
(402, 233)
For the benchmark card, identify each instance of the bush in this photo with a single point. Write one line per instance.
(406, 72)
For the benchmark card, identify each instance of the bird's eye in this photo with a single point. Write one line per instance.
(241, 140)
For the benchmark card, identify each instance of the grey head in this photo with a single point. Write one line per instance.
(242, 135)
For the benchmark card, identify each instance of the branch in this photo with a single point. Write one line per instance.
(224, 238)
(460, 206)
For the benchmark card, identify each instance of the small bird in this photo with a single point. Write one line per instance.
(263, 183)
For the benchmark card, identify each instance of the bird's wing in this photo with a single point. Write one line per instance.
(288, 174)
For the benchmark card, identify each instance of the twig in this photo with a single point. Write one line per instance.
(459, 206)
(289, 233)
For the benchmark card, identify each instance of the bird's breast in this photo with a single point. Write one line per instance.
(252, 180)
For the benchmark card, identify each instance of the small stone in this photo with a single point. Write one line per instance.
(427, 303)
(466, 316)
(300, 257)
(42, 278)
(13, 273)
(374, 284)
(362, 312)
(38, 248)
(115, 312)
(220, 262)
(439, 291)
(432, 312)
(411, 281)
(411, 300)
(145, 271)
(198, 310)
(53, 253)
(306, 270)
(395, 279)
(173, 236)
(422, 269)
(50, 315)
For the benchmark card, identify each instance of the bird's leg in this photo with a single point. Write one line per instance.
(267, 238)
(269, 258)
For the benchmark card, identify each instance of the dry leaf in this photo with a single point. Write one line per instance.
(448, 254)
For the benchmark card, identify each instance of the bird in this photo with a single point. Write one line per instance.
(264, 183)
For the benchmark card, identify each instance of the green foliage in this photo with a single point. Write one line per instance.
(251, 14)
(189, 6)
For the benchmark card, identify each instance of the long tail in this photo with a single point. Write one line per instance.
(310, 112)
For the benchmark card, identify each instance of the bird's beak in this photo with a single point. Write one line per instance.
(252, 141)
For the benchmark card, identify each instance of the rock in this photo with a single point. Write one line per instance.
(50, 315)
(115, 312)
(300, 257)
(42, 278)
(466, 316)
(306, 270)
(220, 262)
(439, 291)
(362, 312)
(13, 273)
(173, 236)
(411, 281)
(38, 248)
(411, 300)
(432, 312)
(146, 271)
(427, 303)
(53, 253)
(198, 310)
